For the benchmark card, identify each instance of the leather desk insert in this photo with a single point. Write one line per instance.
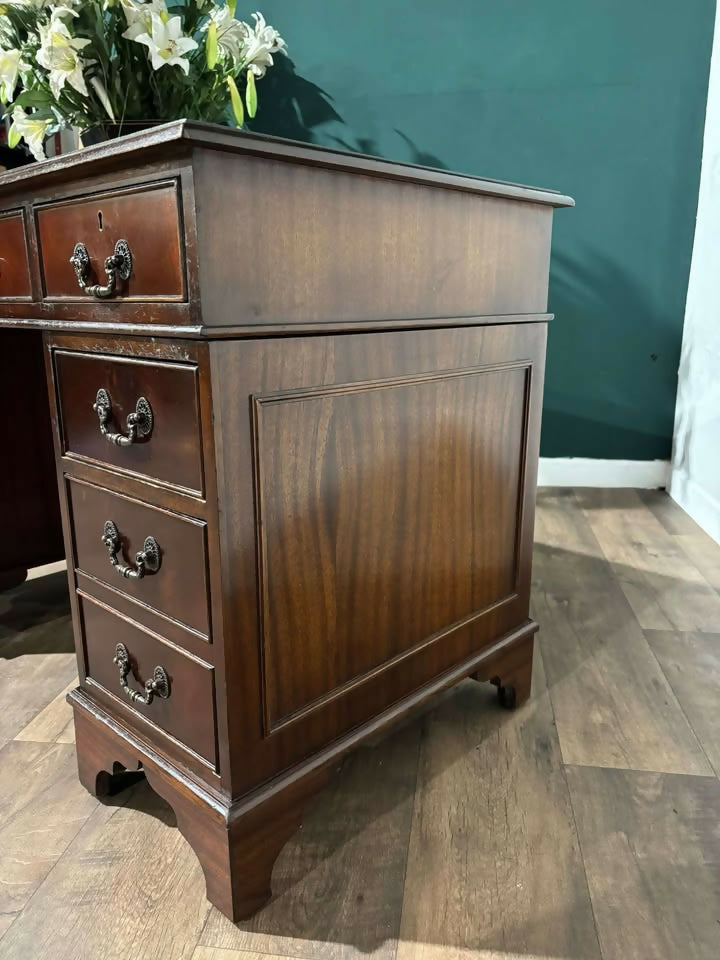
(166, 444)
(327, 516)
(14, 263)
(145, 219)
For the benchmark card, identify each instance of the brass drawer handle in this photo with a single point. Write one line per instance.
(147, 560)
(139, 424)
(119, 264)
(159, 686)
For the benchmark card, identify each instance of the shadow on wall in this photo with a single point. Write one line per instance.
(293, 107)
(605, 321)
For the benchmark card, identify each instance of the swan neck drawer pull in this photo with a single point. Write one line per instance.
(117, 266)
(159, 686)
(138, 424)
(147, 560)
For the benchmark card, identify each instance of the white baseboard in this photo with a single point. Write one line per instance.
(698, 503)
(587, 472)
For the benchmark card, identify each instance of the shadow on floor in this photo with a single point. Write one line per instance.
(370, 803)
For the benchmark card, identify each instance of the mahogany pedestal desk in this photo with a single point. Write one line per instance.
(296, 409)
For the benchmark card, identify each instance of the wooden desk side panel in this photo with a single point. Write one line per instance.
(376, 498)
(282, 243)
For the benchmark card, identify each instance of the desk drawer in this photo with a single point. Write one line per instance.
(187, 713)
(146, 218)
(172, 577)
(14, 264)
(167, 444)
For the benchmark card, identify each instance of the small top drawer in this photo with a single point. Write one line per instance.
(146, 218)
(138, 416)
(14, 265)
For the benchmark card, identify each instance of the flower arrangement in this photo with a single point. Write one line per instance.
(85, 63)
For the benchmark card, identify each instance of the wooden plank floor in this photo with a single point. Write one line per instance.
(584, 825)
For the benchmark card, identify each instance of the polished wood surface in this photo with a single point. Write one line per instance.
(147, 218)
(356, 249)
(344, 514)
(171, 452)
(466, 832)
(14, 263)
(179, 588)
(398, 473)
(191, 681)
(360, 554)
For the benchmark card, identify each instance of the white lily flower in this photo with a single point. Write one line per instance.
(11, 64)
(260, 44)
(58, 53)
(231, 34)
(138, 15)
(167, 44)
(31, 130)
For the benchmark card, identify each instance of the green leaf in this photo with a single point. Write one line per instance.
(236, 100)
(13, 137)
(211, 45)
(251, 94)
(32, 98)
(231, 7)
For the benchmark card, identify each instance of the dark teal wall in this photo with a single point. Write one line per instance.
(604, 101)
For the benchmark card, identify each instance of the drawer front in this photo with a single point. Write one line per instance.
(175, 584)
(188, 713)
(171, 451)
(14, 264)
(146, 218)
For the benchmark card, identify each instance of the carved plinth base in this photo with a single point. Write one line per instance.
(510, 670)
(236, 845)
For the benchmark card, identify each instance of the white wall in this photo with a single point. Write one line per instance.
(695, 479)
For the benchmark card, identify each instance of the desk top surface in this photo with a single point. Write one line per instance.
(186, 135)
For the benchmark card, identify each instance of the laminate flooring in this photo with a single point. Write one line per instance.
(584, 825)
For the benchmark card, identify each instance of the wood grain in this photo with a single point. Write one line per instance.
(171, 453)
(29, 680)
(42, 808)
(338, 884)
(494, 866)
(179, 588)
(651, 848)
(665, 590)
(14, 263)
(396, 472)
(613, 704)
(188, 712)
(54, 722)
(128, 888)
(219, 953)
(359, 248)
(360, 554)
(148, 219)
(691, 662)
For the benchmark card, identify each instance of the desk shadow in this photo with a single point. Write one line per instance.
(339, 883)
(34, 618)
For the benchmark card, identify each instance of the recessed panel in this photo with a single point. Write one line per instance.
(388, 514)
(14, 265)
